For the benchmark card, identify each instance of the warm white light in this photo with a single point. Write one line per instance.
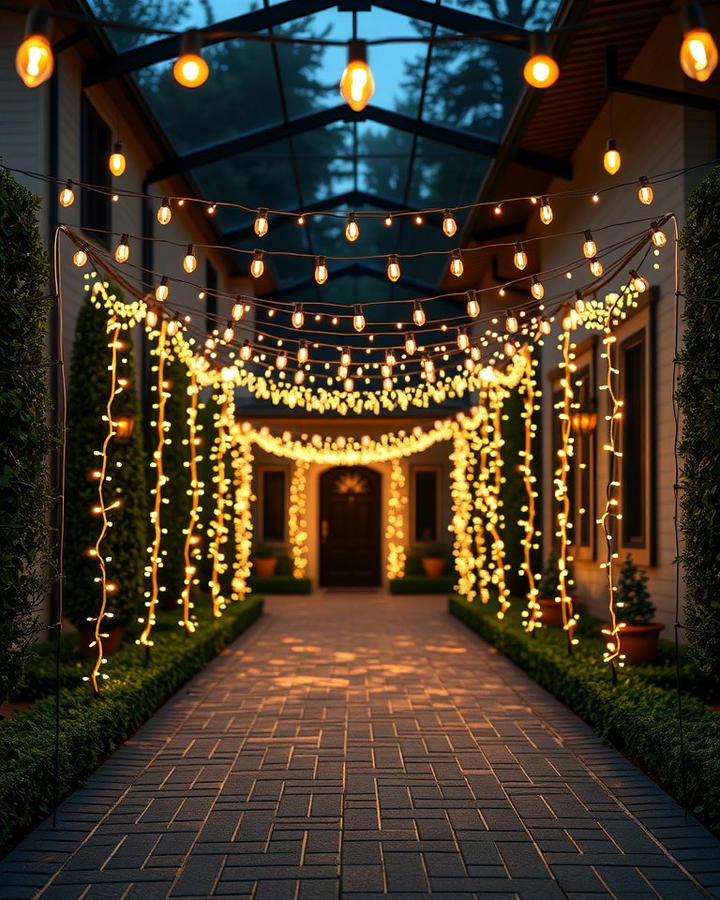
(357, 84)
(345, 358)
(261, 223)
(190, 260)
(393, 268)
(151, 317)
(358, 319)
(520, 257)
(473, 305)
(80, 256)
(190, 69)
(164, 213)
(449, 225)
(511, 324)
(579, 303)
(463, 341)
(659, 238)
(352, 229)
(546, 211)
(698, 51)
(298, 316)
(596, 267)
(257, 266)
(162, 290)
(589, 246)
(456, 264)
(639, 282)
(540, 70)
(122, 251)
(281, 361)
(612, 159)
(34, 60)
(303, 353)
(67, 195)
(536, 288)
(299, 376)
(645, 192)
(418, 315)
(321, 272)
(410, 344)
(245, 351)
(238, 310)
(117, 161)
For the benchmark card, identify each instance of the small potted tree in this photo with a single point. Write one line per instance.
(264, 561)
(549, 589)
(639, 638)
(434, 559)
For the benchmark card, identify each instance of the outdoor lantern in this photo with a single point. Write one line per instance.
(190, 69)
(357, 84)
(124, 421)
(584, 421)
(34, 60)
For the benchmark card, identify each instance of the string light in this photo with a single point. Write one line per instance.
(659, 238)
(611, 158)
(218, 529)
(242, 457)
(495, 521)
(164, 213)
(190, 69)
(191, 548)
(456, 264)
(261, 225)
(190, 260)
(395, 526)
(536, 288)
(162, 291)
(532, 615)
(463, 341)
(589, 247)
(303, 353)
(297, 518)
(67, 195)
(393, 268)
(460, 526)
(298, 316)
(645, 192)
(321, 271)
(357, 84)
(117, 161)
(410, 344)
(639, 282)
(546, 211)
(520, 257)
(473, 304)
(511, 323)
(698, 51)
(257, 266)
(352, 229)
(541, 70)
(596, 267)
(418, 315)
(122, 251)
(358, 319)
(449, 225)
(34, 60)
(80, 256)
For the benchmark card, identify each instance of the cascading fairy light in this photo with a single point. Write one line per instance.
(495, 519)
(191, 549)
(460, 526)
(162, 426)
(297, 518)
(395, 528)
(241, 456)
(218, 529)
(479, 484)
(528, 390)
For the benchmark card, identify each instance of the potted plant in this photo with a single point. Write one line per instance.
(434, 559)
(264, 561)
(549, 589)
(640, 635)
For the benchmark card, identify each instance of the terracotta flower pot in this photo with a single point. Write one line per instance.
(111, 644)
(552, 612)
(639, 643)
(264, 566)
(434, 566)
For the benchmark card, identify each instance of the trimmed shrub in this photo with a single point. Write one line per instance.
(25, 438)
(126, 541)
(699, 397)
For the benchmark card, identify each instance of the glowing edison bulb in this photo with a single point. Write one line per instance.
(449, 225)
(117, 161)
(299, 376)
(257, 266)
(520, 257)
(418, 314)
(173, 327)
(190, 69)
(646, 194)
(122, 251)
(463, 341)
(511, 323)
(596, 267)
(612, 159)
(281, 361)
(388, 221)
(348, 385)
(579, 303)
(164, 213)
(545, 326)
(639, 282)
(298, 316)
(546, 211)
(536, 288)
(659, 237)
(456, 264)
(162, 291)
(589, 246)
(352, 229)
(342, 371)
(345, 358)
(67, 195)
(261, 225)
(473, 305)
(321, 271)
(385, 370)
(245, 351)
(410, 344)
(238, 310)
(34, 60)
(151, 317)
(303, 353)
(393, 268)
(228, 333)
(190, 260)
(357, 84)
(698, 51)
(80, 256)
(358, 319)
(387, 383)
(510, 349)
(540, 70)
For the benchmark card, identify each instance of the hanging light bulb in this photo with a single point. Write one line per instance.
(122, 251)
(190, 69)
(536, 288)
(261, 223)
(67, 195)
(228, 333)
(546, 211)
(393, 268)
(456, 264)
(298, 316)
(646, 194)
(173, 326)
(387, 383)
(579, 303)
(117, 161)
(164, 213)
(589, 246)
(358, 319)
(281, 361)
(342, 371)
(151, 317)
(238, 310)
(303, 353)
(390, 358)
(463, 341)
(410, 344)
(385, 370)
(80, 256)
(34, 60)
(449, 224)
(345, 358)
(418, 314)
(469, 364)
(357, 84)
(348, 385)
(511, 323)
(388, 220)
(299, 376)
(612, 159)
(541, 70)
(639, 282)
(473, 304)
(245, 351)
(162, 290)
(321, 272)
(520, 257)
(659, 237)
(545, 326)
(596, 267)
(352, 229)
(257, 266)
(428, 365)
(698, 51)
(190, 260)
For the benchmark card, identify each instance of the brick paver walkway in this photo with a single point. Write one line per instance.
(356, 745)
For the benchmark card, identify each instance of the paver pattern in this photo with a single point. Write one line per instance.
(356, 745)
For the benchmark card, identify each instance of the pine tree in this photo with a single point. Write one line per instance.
(633, 598)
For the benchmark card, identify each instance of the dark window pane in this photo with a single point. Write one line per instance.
(211, 300)
(634, 475)
(426, 504)
(273, 505)
(96, 146)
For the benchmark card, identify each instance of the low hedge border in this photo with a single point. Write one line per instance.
(422, 584)
(638, 716)
(280, 584)
(92, 728)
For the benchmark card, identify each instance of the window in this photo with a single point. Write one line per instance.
(583, 462)
(634, 377)
(273, 505)
(95, 151)
(426, 499)
(211, 300)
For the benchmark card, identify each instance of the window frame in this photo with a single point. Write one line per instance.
(585, 359)
(438, 470)
(94, 170)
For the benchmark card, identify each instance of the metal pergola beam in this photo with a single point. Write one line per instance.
(357, 269)
(462, 139)
(457, 20)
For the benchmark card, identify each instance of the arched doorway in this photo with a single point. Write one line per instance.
(350, 527)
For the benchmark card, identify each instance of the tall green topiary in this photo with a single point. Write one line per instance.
(126, 541)
(699, 398)
(633, 597)
(25, 437)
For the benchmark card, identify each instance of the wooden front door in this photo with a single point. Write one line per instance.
(350, 527)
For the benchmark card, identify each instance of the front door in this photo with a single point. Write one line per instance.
(350, 527)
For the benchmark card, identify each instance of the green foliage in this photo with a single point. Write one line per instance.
(413, 565)
(633, 597)
(434, 551)
(699, 398)
(421, 584)
(126, 542)
(280, 584)
(26, 438)
(263, 551)
(638, 716)
(91, 729)
(549, 583)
